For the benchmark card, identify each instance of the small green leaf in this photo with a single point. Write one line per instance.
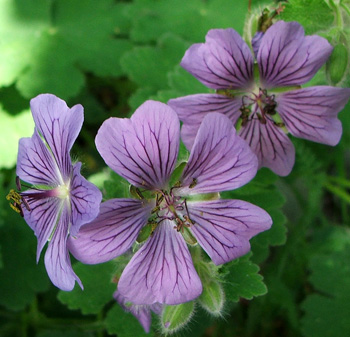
(98, 288)
(241, 279)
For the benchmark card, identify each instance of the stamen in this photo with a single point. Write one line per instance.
(15, 201)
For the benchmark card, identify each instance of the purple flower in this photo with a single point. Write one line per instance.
(60, 200)
(264, 102)
(144, 150)
(141, 312)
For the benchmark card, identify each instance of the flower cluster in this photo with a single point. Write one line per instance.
(265, 99)
(176, 207)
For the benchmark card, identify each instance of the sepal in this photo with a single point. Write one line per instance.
(174, 317)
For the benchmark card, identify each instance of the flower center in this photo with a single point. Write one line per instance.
(258, 105)
(172, 207)
(18, 199)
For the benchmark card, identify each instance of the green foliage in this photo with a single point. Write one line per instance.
(148, 66)
(98, 288)
(149, 18)
(299, 10)
(327, 308)
(60, 38)
(123, 324)
(20, 278)
(12, 128)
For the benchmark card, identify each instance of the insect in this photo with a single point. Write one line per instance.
(193, 183)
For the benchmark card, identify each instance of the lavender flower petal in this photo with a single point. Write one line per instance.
(220, 160)
(193, 108)
(161, 271)
(223, 227)
(57, 261)
(42, 217)
(271, 145)
(59, 126)
(223, 61)
(286, 57)
(142, 149)
(311, 113)
(85, 200)
(113, 231)
(35, 163)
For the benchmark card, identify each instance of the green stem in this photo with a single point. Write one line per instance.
(338, 191)
(346, 8)
(338, 15)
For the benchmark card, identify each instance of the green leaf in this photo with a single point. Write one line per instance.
(241, 279)
(123, 324)
(299, 10)
(45, 44)
(12, 128)
(98, 288)
(148, 66)
(327, 313)
(20, 278)
(197, 17)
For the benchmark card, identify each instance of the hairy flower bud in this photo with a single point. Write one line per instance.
(337, 64)
(174, 317)
(212, 298)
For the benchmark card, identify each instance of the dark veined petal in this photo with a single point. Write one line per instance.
(35, 163)
(42, 217)
(223, 61)
(223, 227)
(286, 57)
(311, 113)
(220, 160)
(59, 126)
(161, 271)
(85, 200)
(193, 108)
(271, 145)
(57, 260)
(144, 148)
(113, 231)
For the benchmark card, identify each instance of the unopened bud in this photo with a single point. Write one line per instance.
(337, 64)
(174, 317)
(212, 298)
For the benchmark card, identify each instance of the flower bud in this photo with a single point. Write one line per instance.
(174, 317)
(337, 64)
(212, 298)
